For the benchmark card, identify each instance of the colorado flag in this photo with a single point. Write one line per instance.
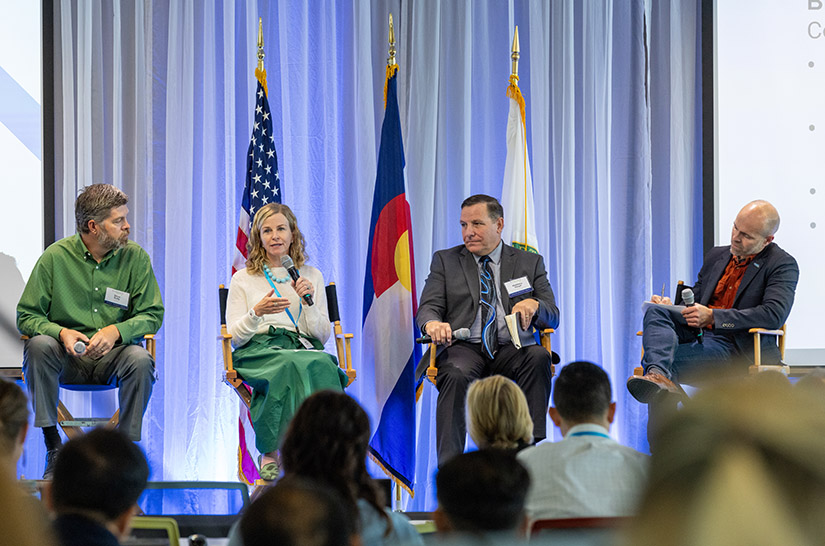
(389, 330)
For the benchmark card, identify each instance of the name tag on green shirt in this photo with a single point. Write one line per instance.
(117, 298)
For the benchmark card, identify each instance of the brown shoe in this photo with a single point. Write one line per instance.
(647, 387)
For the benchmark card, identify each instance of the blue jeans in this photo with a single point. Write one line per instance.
(671, 348)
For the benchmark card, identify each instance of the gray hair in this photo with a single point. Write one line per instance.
(96, 202)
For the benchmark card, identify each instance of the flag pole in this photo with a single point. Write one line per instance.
(392, 67)
(515, 53)
(515, 92)
(260, 44)
(391, 59)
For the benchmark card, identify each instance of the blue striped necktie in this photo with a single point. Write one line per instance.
(489, 330)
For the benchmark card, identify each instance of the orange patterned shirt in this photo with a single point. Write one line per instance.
(725, 291)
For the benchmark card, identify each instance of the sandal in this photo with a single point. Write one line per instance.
(269, 472)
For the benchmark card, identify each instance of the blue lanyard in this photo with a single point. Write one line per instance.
(300, 307)
(590, 433)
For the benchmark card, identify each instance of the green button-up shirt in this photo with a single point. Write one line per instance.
(67, 289)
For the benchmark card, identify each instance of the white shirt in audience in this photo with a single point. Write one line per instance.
(587, 474)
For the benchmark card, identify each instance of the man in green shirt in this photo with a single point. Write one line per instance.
(88, 302)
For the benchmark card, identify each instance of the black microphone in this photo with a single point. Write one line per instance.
(289, 265)
(462, 334)
(689, 299)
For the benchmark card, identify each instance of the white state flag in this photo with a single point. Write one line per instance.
(517, 190)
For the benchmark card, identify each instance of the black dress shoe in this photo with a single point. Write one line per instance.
(51, 459)
(647, 387)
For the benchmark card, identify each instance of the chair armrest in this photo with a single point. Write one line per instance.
(757, 347)
(765, 331)
(432, 371)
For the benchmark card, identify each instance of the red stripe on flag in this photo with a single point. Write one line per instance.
(393, 222)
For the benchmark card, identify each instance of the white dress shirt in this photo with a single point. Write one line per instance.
(587, 474)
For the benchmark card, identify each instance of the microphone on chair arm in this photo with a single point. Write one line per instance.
(289, 265)
(690, 301)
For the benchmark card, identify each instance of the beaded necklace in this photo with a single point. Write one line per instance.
(269, 274)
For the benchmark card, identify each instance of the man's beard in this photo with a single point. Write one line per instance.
(110, 243)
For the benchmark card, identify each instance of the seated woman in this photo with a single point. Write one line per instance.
(279, 339)
(497, 414)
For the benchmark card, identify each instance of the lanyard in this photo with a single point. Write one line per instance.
(300, 307)
(590, 433)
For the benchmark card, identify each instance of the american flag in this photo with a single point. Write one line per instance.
(263, 185)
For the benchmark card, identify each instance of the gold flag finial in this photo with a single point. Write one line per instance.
(391, 58)
(515, 54)
(260, 44)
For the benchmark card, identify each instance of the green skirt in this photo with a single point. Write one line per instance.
(282, 374)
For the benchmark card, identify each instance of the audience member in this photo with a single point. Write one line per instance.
(741, 464)
(498, 415)
(14, 423)
(299, 512)
(481, 496)
(587, 474)
(97, 481)
(22, 521)
(326, 442)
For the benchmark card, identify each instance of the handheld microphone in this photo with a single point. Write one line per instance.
(79, 347)
(689, 299)
(462, 334)
(289, 265)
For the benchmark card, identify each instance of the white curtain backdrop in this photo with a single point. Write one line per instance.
(156, 98)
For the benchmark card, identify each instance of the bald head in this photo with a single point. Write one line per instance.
(764, 213)
(754, 228)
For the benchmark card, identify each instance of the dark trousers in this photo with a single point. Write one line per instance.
(671, 348)
(130, 368)
(462, 363)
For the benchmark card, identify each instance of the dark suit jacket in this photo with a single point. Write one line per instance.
(763, 300)
(76, 530)
(452, 292)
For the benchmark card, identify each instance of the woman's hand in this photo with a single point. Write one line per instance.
(270, 304)
(303, 287)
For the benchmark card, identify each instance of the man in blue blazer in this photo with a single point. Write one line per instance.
(453, 298)
(749, 284)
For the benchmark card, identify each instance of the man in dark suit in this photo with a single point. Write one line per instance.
(749, 284)
(474, 286)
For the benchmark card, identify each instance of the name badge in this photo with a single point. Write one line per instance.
(517, 287)
(117, 298)
(306, 343)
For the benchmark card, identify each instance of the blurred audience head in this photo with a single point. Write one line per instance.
(298, 512)
(100, 475)
(24, 521)
(741, 463)
(327, 441)
(14, 422)
(497, 414)
(581, 394)
(482, 492)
